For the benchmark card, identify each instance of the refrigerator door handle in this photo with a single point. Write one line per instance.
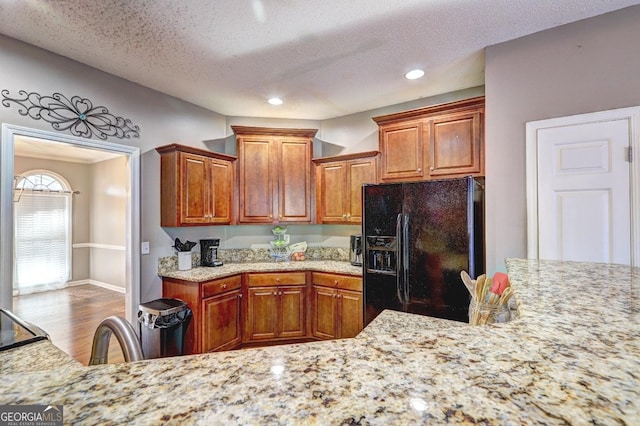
(399, 245)
(405, 258)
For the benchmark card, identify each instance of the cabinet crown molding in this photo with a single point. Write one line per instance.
(345, 157)
(174, 147)
(270, 131)
(449, 107)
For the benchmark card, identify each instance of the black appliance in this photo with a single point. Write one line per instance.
(355, 250)
(417, 239)
(209, 252)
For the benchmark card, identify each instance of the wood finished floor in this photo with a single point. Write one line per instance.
(71, 315)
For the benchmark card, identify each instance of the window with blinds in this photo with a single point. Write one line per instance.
(42, 234)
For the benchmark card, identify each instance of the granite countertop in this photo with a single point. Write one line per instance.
(572, 357)
(38, 356)
(202, 273)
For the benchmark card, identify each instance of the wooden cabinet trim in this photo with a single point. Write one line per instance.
(346, 282)
(346, 157)
(221, 285)
(275, 279)
(174, 147)
(471, 103)
(270, 131)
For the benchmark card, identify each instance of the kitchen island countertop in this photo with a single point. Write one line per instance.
(572, 357)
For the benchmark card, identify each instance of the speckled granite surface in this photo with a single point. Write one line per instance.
(38, 356)
(573, 357)
(203, 273)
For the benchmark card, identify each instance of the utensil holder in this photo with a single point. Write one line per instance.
(481, 313)
(184, 260)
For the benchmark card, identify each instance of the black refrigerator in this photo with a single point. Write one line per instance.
(417, 238)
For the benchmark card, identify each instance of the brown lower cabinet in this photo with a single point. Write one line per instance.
(268, 308)
(336, 305)
(216, 306)
(276, 306)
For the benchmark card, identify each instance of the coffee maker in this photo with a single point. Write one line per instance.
(355, 250)
(209, 252)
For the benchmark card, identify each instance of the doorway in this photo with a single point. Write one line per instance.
(10, 134)
(582, 188)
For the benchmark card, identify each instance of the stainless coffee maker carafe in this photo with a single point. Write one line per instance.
(355, 250)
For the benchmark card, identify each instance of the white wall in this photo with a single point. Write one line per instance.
(587, 66)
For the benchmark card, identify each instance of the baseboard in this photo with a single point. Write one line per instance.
(108, 286)
(97, 284)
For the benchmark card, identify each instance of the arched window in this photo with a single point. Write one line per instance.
(42, 232)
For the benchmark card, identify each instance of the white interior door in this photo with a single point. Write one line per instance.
(582, 205)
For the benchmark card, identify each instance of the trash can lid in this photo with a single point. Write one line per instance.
(162, 307)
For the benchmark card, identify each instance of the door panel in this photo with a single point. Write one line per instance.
(324, 312)
(262, 312)
(583, 192)
(293, 309)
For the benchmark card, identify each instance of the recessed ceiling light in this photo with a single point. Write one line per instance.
(275, 101)
(413, 74)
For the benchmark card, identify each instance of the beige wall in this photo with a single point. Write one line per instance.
(591, 65)
(109, 187)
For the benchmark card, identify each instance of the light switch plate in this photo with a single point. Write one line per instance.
(144, 247)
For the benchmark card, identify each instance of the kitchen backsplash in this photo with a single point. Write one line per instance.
(170, 263)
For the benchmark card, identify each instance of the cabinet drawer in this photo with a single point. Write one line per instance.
(211, 288)
(276, 278)
(337, 281)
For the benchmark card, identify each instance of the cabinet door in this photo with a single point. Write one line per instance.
(262, 313)
(221, 191)
(324, 312)
(350, 313)
(402, 147)
(455, 144)
(194, 195)
(221, 325)
(331, 192)
(256, 180)
(359, 172)
(292, 312)
(294, 180)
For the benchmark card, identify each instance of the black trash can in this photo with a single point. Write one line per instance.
(163, 327)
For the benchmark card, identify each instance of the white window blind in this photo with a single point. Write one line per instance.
(42, 238)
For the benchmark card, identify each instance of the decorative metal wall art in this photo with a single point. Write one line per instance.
(78, 115)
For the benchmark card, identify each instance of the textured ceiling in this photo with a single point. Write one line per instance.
(325, 58)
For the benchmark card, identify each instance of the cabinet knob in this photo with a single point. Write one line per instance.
(239, 296)
(278, 279)
(335, 282)
(224, 285)
(344, 216)
(419, 169)
(431, 169)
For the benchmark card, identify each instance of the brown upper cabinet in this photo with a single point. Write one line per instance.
(434, 142)
(196, 186)
(339, 183)
(274, 180)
